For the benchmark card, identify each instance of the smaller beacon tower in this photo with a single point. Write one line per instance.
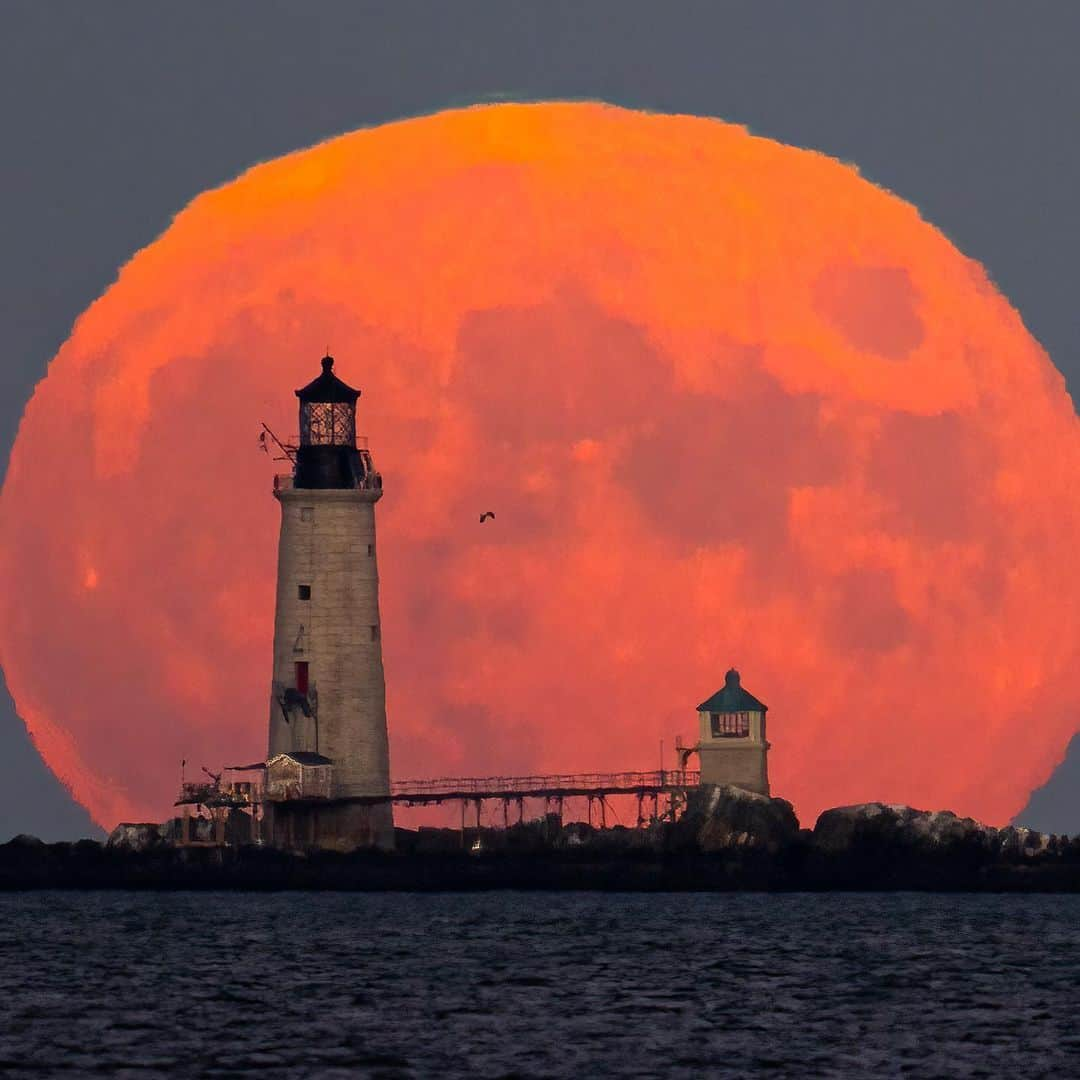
(328, 696)
(732, 746)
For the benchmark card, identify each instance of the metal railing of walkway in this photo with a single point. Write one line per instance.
(440, 789)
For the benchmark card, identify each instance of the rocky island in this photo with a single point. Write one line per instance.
(727, 839)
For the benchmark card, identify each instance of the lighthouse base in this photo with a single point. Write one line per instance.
(329, 825)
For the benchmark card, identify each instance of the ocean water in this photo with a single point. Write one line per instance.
(538, 985)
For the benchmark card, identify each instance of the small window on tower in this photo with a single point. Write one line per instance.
(307, 513)
(730, 725)
(374, 633)
(371, 549)
(302, 676)
(304, 592)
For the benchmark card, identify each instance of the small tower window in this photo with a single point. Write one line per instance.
(307, 513)
(371, 549)
(302, 676)
(730, 725)
(303, 592)
(374, 633)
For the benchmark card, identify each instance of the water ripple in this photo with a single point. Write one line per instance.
(538, 985)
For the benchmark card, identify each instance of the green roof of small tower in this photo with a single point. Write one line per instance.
(731, 697)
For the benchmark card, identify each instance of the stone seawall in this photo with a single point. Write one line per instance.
(727, 839)
(58, 866)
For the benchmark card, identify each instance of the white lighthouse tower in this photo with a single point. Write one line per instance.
(328, 697)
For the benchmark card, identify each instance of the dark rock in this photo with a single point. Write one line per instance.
(575, 835)
(723, 817)
(172, 831)
(617, 840)
(135, 836)
(430, 840)
(877, 827)
(1014, 843)
(405, 840)
(25, 840)
(847, 829)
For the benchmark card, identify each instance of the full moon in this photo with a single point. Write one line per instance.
(731, 403)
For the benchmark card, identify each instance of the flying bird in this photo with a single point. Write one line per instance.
(487, 514)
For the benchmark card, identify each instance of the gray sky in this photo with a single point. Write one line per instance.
(115, 114)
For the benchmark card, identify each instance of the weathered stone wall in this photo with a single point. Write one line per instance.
(327, 542)
(739, 765)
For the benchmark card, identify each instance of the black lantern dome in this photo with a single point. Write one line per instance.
(327, 456)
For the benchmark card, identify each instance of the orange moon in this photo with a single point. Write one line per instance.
(731, 403)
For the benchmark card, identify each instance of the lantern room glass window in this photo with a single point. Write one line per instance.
(327, 423)
(730, 725)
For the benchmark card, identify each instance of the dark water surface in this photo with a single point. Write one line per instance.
(538, 984)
